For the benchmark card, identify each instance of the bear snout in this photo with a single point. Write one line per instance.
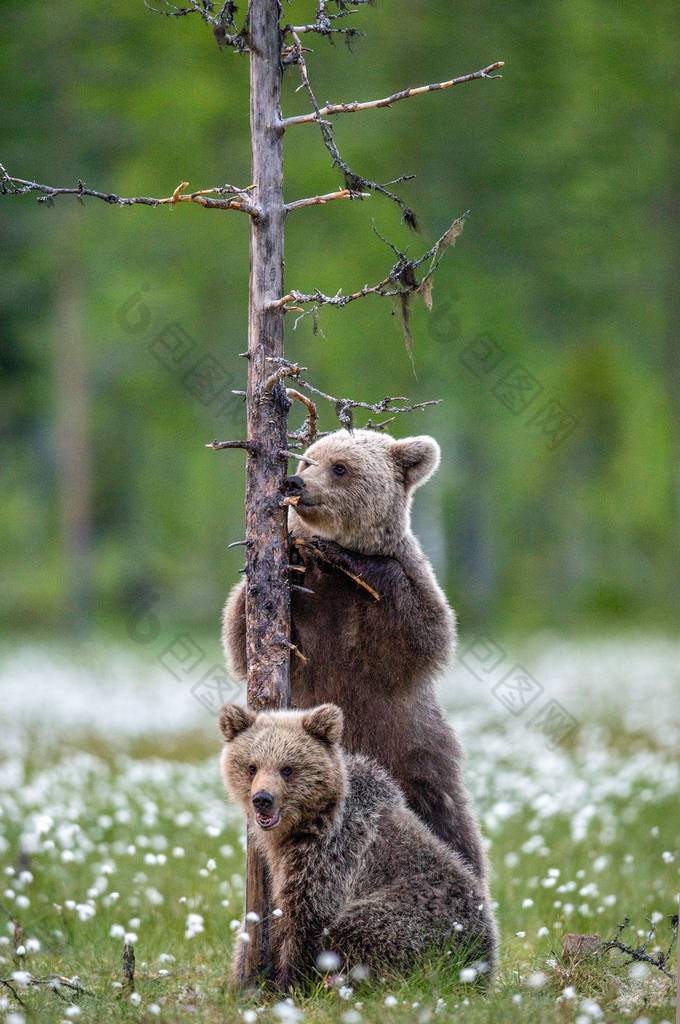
(293, 485)
(266, 814)
(263, 801)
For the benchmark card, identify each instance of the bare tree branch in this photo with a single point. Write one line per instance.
(307, 432)
(401, 282)
(15, 994)
(354, 182)
(352, 108)
(344, 406)
(54, 982)
(18, 186)
(344, 193)
(640, 953)
(219, 445)
(324, 21)
(220, 24)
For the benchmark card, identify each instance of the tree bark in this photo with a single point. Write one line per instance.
(268, 589)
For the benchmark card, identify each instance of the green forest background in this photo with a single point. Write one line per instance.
(566, 277)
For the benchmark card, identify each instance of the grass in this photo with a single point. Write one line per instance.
(114, 821)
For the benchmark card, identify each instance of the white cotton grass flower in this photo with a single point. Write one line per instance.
(328, 961)
(130, 938)
(638, 971)
(667, 857)
(391, 1001)
(21, 979)
(135, 998)
(21, 950)
(542, 932)
(249, 1016)
(194, 923)
(253, 917)
(359, 973)
(72, 1011)
(154, 1009)
(287, 1011)
(536, 980)
(351, 1017)
(243, 937)
(345, 992)
(528, 902)
(467, 975)
(234, 925)
(277, 913)
(15, 1018)
(591, 1007)
(116, 931)
(517, 998)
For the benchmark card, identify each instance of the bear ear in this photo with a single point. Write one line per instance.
(417, 457)
(324, 723)
(234, 720)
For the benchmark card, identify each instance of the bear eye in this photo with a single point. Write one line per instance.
(287, 772)
(252, 770)
(339, 468)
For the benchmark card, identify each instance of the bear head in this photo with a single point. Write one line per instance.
(285, 768)
(358, 488)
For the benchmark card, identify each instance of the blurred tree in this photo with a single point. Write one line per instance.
(566, 264)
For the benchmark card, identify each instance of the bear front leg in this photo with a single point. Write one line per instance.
(234, 620)
(375, 573)
(237, 962)
(410, 602)
(234, 631)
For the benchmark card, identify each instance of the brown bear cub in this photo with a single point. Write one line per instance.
(352, 869)
(373, 654)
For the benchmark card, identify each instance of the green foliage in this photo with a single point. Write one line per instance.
(565, 265)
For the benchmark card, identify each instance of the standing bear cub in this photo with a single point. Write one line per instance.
(374, 652)
(353, 870)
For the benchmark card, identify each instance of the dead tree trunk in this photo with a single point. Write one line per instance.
(268, 591)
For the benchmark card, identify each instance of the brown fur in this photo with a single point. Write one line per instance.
(375, 659)
(352, 868)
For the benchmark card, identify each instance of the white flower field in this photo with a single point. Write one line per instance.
(114, 828)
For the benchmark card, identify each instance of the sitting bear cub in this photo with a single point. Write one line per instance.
(352, 869)
(373, 654)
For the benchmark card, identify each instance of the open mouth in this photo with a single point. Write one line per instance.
(267, 821)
